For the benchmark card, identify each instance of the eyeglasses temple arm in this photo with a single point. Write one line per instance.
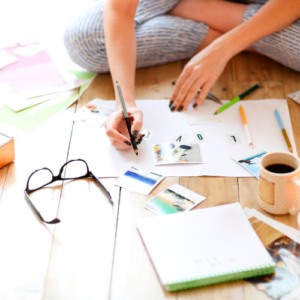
(106, 192)
(54, 221)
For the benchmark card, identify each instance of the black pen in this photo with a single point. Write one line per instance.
(127, 120)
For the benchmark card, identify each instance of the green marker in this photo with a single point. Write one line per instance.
(238, 98)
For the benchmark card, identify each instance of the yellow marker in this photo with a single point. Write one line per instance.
(246, 127)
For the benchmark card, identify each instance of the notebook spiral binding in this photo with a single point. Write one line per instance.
(220, 278)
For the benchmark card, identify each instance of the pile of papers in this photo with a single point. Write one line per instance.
(33, 89)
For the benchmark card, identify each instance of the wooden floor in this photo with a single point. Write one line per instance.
(96, 252)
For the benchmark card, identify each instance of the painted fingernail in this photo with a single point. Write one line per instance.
(140, 139)
(127, 143)
(135, 134)
(180, 108)
(171, 103)
(174, 82)
(195, 105)
(173, 108)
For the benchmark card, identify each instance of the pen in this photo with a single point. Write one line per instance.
(238, 98)
(287, 140)
(246, 127)
(126, 118)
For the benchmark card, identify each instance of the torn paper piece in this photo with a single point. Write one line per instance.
(295, 96)
(174, 199)
(95, 113)
(139, 180)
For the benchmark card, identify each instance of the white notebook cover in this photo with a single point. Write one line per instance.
(205, 243)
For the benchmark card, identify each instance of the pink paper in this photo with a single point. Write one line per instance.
(31, 72)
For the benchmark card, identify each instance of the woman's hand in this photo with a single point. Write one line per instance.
(201, 72)
(116, 128)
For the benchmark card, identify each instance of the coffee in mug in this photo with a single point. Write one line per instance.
(279, 183)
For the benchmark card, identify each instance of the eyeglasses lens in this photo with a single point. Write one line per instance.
(39, 179)
(74, 169)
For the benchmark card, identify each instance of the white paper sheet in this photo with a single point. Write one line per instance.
(291, 232)
(21, 101)
(216, 151)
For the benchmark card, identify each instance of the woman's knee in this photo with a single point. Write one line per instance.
(167, 38)
(84, 40)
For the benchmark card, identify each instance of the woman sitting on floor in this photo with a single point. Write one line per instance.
(152, 32)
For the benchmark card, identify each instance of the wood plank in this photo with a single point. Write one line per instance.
(248, 187)
(26, 244)
(134, 276)
(156, 82)
(83, 246)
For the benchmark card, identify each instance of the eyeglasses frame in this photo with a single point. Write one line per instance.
(89, 174)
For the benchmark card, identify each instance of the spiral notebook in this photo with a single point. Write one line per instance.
(204, 247)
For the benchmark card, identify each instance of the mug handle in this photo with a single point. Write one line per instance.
(295, 210)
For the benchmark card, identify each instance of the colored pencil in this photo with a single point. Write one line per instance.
(287, 140)
(246, 127)
(127, 120)
(238, 98)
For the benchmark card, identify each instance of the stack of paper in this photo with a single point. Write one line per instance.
(33, 88)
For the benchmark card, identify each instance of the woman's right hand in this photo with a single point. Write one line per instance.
(116, 128)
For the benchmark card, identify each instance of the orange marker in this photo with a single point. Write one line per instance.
(246, 127)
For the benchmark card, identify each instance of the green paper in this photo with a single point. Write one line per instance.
(24, 121)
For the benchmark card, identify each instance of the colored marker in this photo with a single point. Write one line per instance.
(238, 98)
(246, 127)
(287, 140)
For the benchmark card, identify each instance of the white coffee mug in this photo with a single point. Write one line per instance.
(279, 193)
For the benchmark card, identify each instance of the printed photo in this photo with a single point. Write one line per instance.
(251, 161)
(176, 153)
(295, 96)
(285, 254)
(139, 180)
(174, 199)
(95, 113)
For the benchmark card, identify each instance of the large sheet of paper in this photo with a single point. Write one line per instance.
(219, 142)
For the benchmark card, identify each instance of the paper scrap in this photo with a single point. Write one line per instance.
(148, 134)
(174, 199)
(295, 96)
(176, 153)
(200, 137)
(250, 161)
(139, 180)
(180, 138)
(95, 113)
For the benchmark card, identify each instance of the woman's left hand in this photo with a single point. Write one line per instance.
(202, 71)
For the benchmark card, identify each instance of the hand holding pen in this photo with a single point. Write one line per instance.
(117, 130)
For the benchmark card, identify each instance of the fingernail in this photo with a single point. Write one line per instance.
(174, 82)
(180, 108)
(195, 105)
(135, 134)
(127, 143)
(140, 139)
(171, 103)
(173, 107)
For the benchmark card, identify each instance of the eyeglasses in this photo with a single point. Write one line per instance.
(43, 177)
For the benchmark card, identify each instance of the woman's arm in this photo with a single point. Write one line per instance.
(205, 67)
(120, 44)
